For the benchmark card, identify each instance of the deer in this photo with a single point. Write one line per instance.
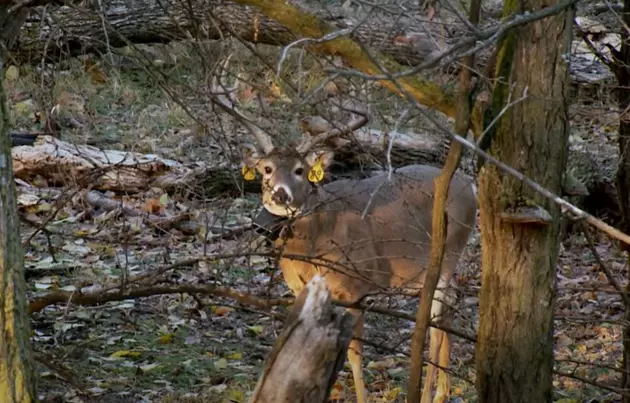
(363, 236)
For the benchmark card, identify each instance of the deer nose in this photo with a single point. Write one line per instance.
(282, 196)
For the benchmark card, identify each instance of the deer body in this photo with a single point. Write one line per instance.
(361, 236)
(365, 236)
(375, 233)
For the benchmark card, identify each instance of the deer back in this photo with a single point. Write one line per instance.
(374, 233)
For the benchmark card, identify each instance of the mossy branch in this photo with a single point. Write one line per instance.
(306, 25)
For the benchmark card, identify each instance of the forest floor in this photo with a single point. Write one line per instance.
(181, 347)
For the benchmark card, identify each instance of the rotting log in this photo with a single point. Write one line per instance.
(371, 148)
(310, 351)
(60, 163)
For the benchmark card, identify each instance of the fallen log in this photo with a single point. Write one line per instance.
(305, 360)
(58, 163)
(77, 29)
(99, 26)
(53, 162)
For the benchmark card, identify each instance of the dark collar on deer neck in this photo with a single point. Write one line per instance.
(269, 224)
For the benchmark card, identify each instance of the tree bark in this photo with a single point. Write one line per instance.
(623, 172)
(63, 30)
(305, 360)
(17, 377)
(515, 345)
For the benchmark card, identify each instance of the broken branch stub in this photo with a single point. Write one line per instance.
(336, 130)
(305, 360)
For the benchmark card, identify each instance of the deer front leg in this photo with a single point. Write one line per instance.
(355, 358)
(439, 347)
(443, 390)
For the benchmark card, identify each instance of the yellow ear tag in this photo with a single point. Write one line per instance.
(248, 173)
(316, 174)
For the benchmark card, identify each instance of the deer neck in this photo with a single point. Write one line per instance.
(272, 225)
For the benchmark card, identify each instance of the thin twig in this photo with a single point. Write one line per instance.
(609, 388)
(565, 206)
(328, 37)
(505, 108)
(603, 266)
(488, 36)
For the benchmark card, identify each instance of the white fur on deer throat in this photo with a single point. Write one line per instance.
(282, 211)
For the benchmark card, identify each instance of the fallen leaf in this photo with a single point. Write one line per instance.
(97, 76)
(247, 94)
(164, 200)
(125, 353)
(12, 73)
(391, 395)
(236, 395)
(257, 330)
(153, 206)
(235, 356)
(166, 338)
(148, 367)
(221, 310)
(336, 393)
(221, 363)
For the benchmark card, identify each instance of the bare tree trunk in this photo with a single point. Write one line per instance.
(17, 378)
(304, 362)
(515, 344)
(622, 71)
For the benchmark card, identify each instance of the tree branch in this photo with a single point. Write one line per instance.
(438, 228)
(307, 25)
(464, 47)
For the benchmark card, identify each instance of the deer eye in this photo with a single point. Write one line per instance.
(268, 170)
(299, 171)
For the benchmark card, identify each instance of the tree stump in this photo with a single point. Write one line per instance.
(306, 358)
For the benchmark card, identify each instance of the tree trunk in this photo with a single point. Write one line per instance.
(17, 378)
(304, 362)
(63, 30)
(623, 171)
(515, 346)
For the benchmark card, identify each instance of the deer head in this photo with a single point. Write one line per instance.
(288, 173)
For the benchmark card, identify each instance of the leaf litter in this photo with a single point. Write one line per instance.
(174, 347)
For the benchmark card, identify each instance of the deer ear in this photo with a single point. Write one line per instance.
(250, 157)
(318, 162)
(324, 158)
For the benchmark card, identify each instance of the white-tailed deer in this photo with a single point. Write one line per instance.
(362, 236)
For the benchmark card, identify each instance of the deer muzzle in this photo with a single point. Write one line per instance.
(282, 195)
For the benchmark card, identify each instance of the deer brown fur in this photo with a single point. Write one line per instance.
(362, 236)
(365, 236)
